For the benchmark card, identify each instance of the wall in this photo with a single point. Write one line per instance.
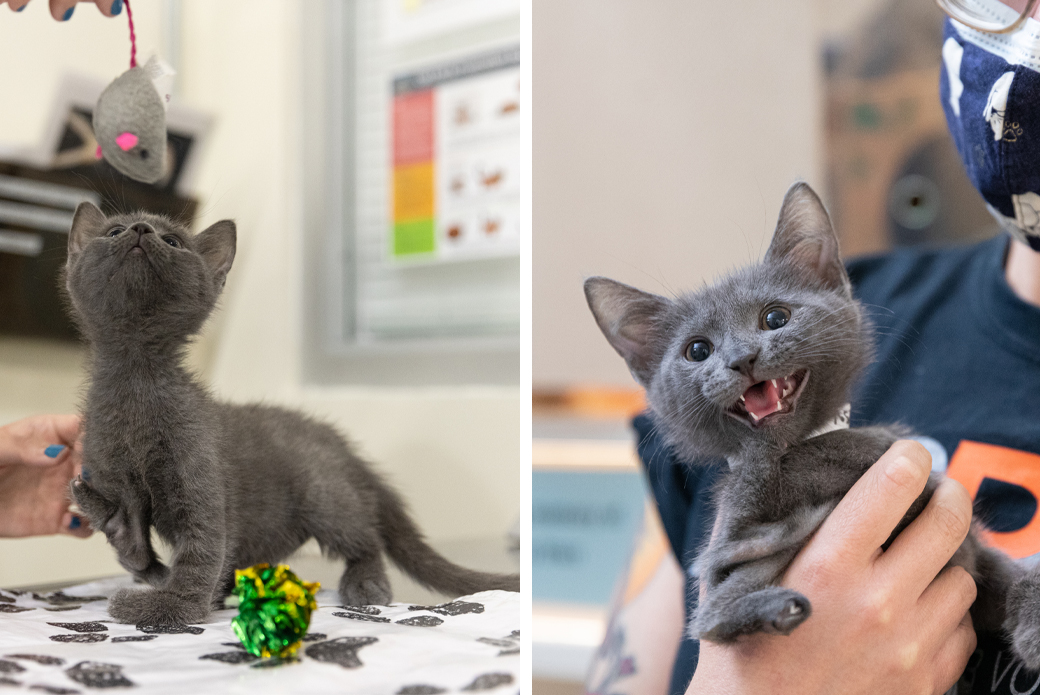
(455, 453)
(665, 135)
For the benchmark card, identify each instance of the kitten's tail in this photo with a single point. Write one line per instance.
(408, 549)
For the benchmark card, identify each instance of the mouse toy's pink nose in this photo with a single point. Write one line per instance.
(126, 141)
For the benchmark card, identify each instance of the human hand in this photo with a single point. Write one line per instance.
(38, 457)
(882, 622)
(62, 10)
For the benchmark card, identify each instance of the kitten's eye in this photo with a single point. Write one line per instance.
(172, 241)
(777, 317)
(697, 351)
(115, 231)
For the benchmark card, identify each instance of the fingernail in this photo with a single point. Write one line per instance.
(68, 13)
(117, 7)
(53, 450)
(22, 7)
(75, 523)
(85, 474)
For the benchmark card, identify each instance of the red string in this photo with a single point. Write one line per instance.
(133, 39)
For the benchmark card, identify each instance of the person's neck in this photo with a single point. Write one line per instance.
(1022, 271)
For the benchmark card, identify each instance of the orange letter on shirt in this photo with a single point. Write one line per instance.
(974, 461)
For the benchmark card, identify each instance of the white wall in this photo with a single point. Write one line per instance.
(455, 453)
(665, 135)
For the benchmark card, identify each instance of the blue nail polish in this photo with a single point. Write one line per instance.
(53, 450)
(22, 7)
(68, 13)
(75, 523)
(117, 7)
(85, 474)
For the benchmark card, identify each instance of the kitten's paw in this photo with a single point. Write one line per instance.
(367, 592)
(156, 607)
(792, 613)
(1022, 623)
(1025, 642)
(773, 610)
(97, 508)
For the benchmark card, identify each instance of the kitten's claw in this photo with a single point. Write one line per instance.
(793, 614)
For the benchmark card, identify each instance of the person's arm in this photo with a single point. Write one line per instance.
(882, 622)
(38, 457)
(646, 620)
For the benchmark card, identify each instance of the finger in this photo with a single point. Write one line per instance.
(923, 548)
(67, 428)
(62, 10)
(47, 456)
(954, 654)
(17, 5)
(75, 525)
(870, 511)
(109, 8)
(946, 600)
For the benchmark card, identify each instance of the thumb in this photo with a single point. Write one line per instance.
(47, 456)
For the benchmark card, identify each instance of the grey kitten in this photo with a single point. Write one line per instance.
(227, 486)
(749, 369)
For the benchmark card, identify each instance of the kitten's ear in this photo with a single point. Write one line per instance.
(87, 223)
(805, 238)
(217, 246)
(628, 318)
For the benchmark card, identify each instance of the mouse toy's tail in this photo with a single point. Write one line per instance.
(408, 549)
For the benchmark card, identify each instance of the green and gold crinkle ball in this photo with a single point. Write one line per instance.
(274, 609)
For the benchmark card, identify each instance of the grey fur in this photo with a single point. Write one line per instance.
(228, 486)
(782, 482)
(131, 105)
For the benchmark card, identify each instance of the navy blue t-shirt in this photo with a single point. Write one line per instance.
(959, 362)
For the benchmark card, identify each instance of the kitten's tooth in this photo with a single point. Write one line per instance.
(753, 416)
(741, 398)
(778, 406)
(775, 385)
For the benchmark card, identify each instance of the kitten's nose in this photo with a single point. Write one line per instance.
(744, 364)
(142, 228)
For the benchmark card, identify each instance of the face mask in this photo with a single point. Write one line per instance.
(990, 91)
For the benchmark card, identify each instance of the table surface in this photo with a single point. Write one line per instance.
(65, 642)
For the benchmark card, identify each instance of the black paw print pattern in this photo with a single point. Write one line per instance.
(95, 674)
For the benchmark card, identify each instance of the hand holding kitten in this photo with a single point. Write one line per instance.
(891, 622)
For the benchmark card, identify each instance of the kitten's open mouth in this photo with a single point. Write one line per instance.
(769, 398)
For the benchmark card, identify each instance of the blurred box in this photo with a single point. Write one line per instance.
(588, 497)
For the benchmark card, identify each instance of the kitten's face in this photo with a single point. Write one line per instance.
(143, 275)
(769, 352)
(758, 355)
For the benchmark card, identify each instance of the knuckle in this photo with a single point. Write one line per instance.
(963, 584)
(903, 472)
(952, 513)
(878, 609)
(971, 641)
(914, 451)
